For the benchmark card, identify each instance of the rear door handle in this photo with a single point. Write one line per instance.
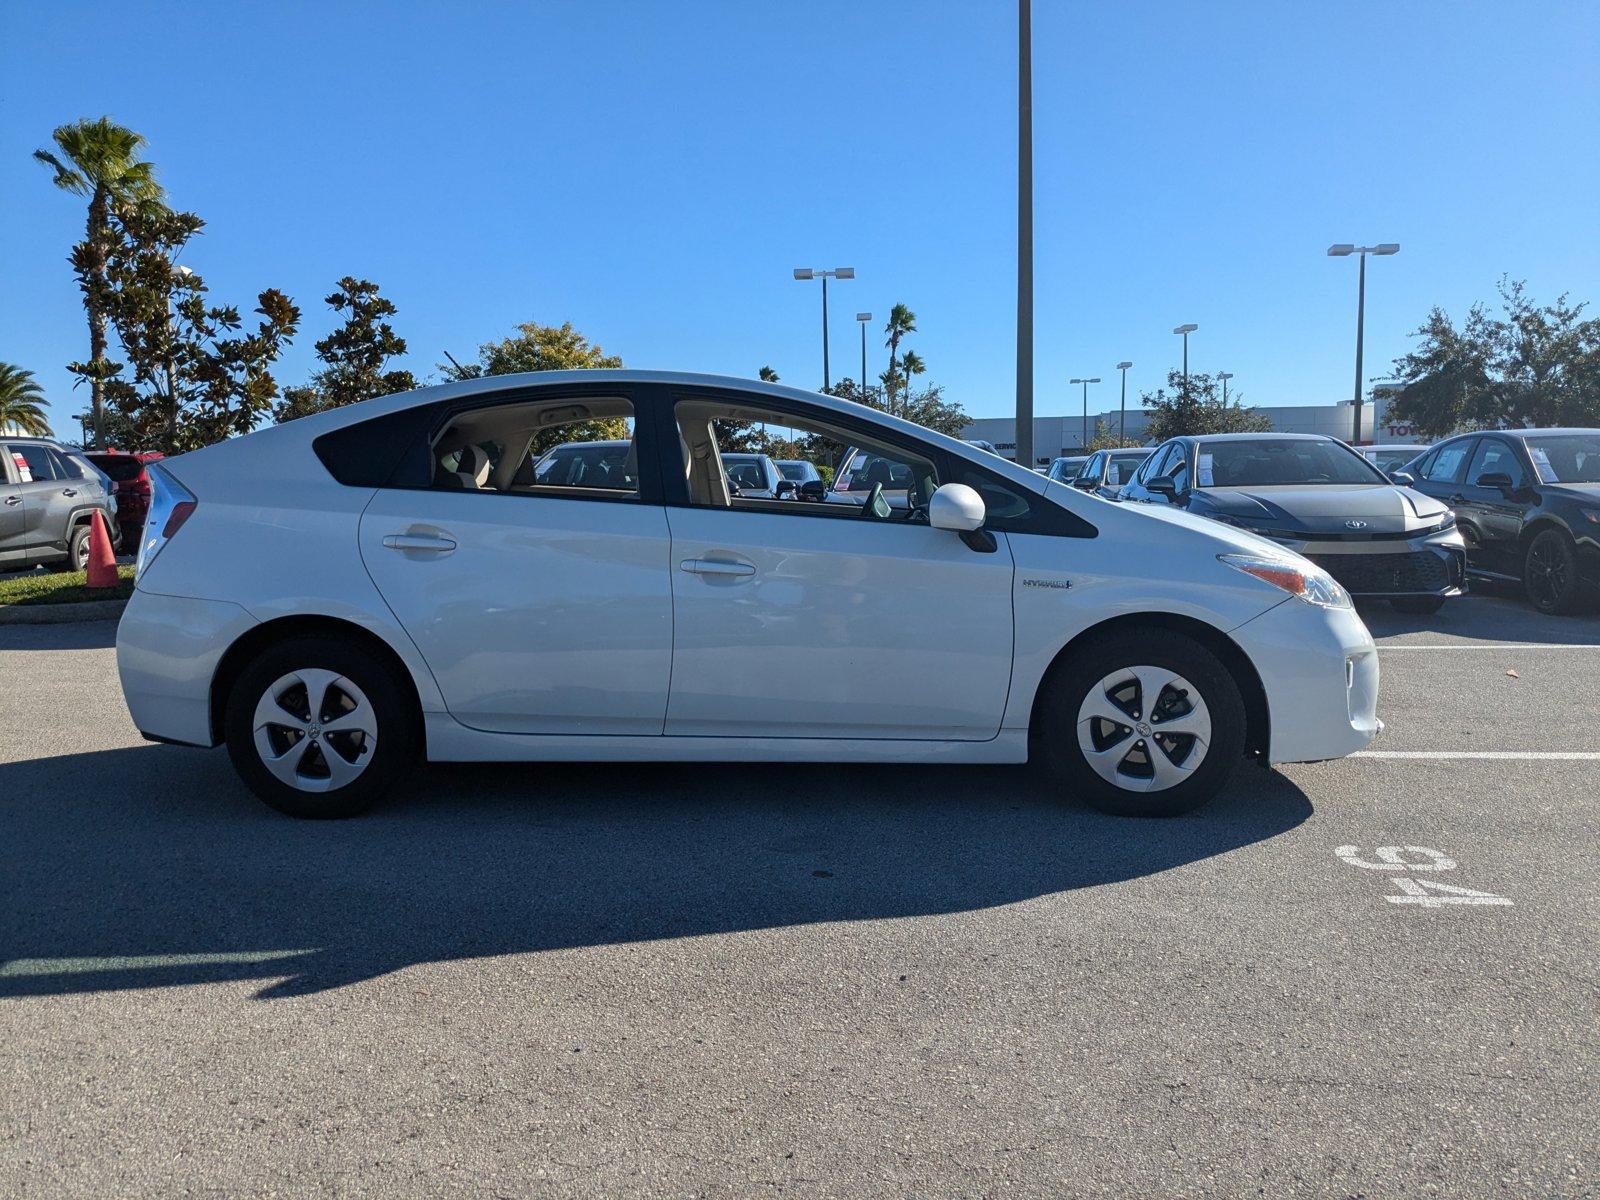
(715, 566)
(68, 492)
(13, 499)
(418, 541)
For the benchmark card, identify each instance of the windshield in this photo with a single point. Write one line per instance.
(1390, 461)
(1272, 462)
(745, 473)
(1566, 457)
(798, 472)
(1067, 469)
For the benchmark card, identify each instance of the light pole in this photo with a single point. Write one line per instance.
(1025, 232)
(1343, 250)
(862, 319)
(1224, 376)
(819, 273)
(1185, 330)
(1122, 420)
(1084, 442)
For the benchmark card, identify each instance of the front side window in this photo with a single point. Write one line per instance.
(581, 448)
(1566, 457)
(1495, 457)
(1154, 465)
(728, 443)
(1177, 466)
(1282, 462)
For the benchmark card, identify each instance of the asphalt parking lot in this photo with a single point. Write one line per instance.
(828, 981)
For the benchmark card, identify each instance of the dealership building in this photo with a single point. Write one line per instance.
(1056, 436)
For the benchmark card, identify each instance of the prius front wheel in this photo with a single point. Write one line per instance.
(1147, 724)
(319, 728)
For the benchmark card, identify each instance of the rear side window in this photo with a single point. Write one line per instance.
(579, 447)
(34, 463)
(385, 451)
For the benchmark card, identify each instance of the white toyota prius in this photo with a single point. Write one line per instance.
(340, 596)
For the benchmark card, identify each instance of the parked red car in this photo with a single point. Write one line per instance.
(132, 484)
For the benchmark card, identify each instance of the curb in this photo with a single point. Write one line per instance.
(61, 614)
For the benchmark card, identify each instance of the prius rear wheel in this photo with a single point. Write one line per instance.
(1142, 723)
(319, 728)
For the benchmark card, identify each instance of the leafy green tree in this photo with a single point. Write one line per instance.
(1531, 365)
(1105, 438)
(1198, 409)
(537, 347)
(354, 355)
(100, 160)
(21, 403)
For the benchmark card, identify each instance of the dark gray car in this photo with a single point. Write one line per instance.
(48, 496)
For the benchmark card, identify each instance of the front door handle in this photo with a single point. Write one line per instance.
(715, 566)
(13, 499)
(419, 541)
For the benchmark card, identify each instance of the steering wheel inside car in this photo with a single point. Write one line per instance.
(876, 508)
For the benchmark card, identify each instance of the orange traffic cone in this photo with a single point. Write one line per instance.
(102, 562)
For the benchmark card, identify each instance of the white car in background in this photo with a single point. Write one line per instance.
(1390, 458)
(340, 596)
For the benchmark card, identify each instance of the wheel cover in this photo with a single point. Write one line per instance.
(315, 730)
(1547, 571)
(1144, 729)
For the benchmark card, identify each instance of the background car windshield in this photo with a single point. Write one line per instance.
(594, 466)
(794, 471)
(1566, 458)
(746, 474)
(866, 469)
(1390, 461)
(1288, 461)
(121, 467)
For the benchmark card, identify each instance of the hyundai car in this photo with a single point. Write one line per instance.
(338, 597)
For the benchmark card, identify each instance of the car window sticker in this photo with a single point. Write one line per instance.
(1206, 476)
(1541, 463)
(24, 472)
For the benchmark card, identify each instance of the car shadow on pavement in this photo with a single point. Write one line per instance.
(1492, 612)
(152, 866)
(65, 635)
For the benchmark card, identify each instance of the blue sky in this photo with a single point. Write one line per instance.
(653, 172)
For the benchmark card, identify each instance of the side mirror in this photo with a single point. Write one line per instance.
(956, 507)
(1403, 478)
(785, 489)
(1163, 485)
(1497, 479)
(814, 490)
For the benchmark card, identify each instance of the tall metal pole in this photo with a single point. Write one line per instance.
(1185, 365)
(1361, 333)
(863, 325)
(1025, 233)
(825, 380)
(1084, 440)
(1122, 416)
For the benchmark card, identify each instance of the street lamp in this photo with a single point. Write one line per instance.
(1086, 383)
(862, 319)
(1344, 250)
(1122, 420)
(1224, 376)
(1186, 330)
(819, 273)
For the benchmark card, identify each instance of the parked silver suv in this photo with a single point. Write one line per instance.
(48, 494)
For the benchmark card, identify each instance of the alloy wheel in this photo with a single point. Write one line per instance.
(315, 730)
(1546, 573)
(1144, 728)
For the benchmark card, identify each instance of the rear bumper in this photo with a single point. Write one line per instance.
(168, 648)
(1322, 685)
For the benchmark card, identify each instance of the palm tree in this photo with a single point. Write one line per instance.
(21, 401)
(768, 375)
(901, 322)
(100, 160)
(910, 364)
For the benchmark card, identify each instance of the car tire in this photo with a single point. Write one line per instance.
(1550, 577)
(279, 746)
(77, 558)
(1421, 606)
(1107, 763)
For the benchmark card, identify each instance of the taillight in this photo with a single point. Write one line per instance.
(171, 504)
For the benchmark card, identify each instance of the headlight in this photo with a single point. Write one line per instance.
(1303, 579)
(1449, 521)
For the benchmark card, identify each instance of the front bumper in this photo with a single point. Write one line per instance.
(1319, 669)
(168, 648)
(1430, 564)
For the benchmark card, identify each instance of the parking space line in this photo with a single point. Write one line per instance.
(1497, 755)
(1516, 646)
